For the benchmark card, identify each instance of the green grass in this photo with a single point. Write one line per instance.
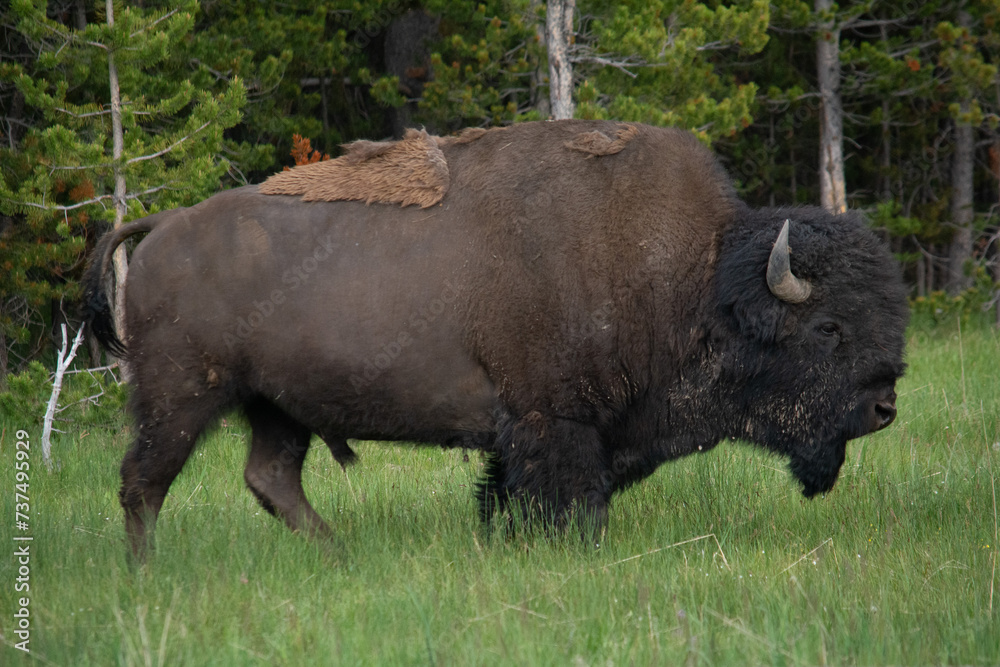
(717, 559)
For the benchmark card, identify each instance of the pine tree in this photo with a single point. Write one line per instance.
(288, 56)
(656, 62)
(967, 45)
(72, 172)
(664, 62)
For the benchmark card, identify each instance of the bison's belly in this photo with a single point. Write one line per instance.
(427, 390)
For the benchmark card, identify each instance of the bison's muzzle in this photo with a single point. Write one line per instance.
(882, 412)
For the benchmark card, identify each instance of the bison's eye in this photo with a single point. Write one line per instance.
(826, 335)
(829, 328)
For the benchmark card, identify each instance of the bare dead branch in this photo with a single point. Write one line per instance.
(135, 195)
(170, 147)
(162, 18)
(600, 60)
(63, 361)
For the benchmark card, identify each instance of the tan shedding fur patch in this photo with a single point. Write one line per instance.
(466, 136)
(597, 143)
(410, 171)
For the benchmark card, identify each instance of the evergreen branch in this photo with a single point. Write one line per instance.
(170, 147)
(69, 37)
(224, 76)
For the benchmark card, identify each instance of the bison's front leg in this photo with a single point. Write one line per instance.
(553, 469)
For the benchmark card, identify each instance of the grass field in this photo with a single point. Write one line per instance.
(716, 559)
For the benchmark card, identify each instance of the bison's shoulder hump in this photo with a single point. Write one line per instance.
(410, 171)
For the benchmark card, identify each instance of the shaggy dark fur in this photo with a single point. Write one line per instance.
(580, 308)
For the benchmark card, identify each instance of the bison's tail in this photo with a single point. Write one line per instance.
(96, 308)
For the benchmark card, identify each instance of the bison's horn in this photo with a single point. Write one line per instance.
(780, 279)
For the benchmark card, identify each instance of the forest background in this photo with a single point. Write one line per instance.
(112, 111)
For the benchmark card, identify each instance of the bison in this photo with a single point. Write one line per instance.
(580, 300)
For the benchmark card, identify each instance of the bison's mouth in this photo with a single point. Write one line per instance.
(817, 468)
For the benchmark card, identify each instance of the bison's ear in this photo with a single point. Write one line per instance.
(760, 321)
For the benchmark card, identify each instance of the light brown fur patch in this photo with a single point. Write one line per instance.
(410, 171)
(466, 136)
(597, 143)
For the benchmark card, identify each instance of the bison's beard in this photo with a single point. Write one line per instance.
(818, 469)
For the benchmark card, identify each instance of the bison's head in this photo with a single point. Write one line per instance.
(815, 312)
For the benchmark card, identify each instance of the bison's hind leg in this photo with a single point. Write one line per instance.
(274, 467)
(168, 428)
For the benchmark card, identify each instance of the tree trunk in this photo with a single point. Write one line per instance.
(408, 56)
(886, 154)
(536, 82)
(886, 135)
(921, 278)
(119, 259)
(81, 14)
(996, 276)
(794, 184)
(93, 350)
(962, 210)
(995, 167)
(558, 32)
(771, 143)
(3, 360)
(831, 137)
(962, 192)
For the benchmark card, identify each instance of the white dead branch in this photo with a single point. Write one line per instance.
(62, 363)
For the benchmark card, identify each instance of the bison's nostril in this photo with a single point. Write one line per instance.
(885, 413)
